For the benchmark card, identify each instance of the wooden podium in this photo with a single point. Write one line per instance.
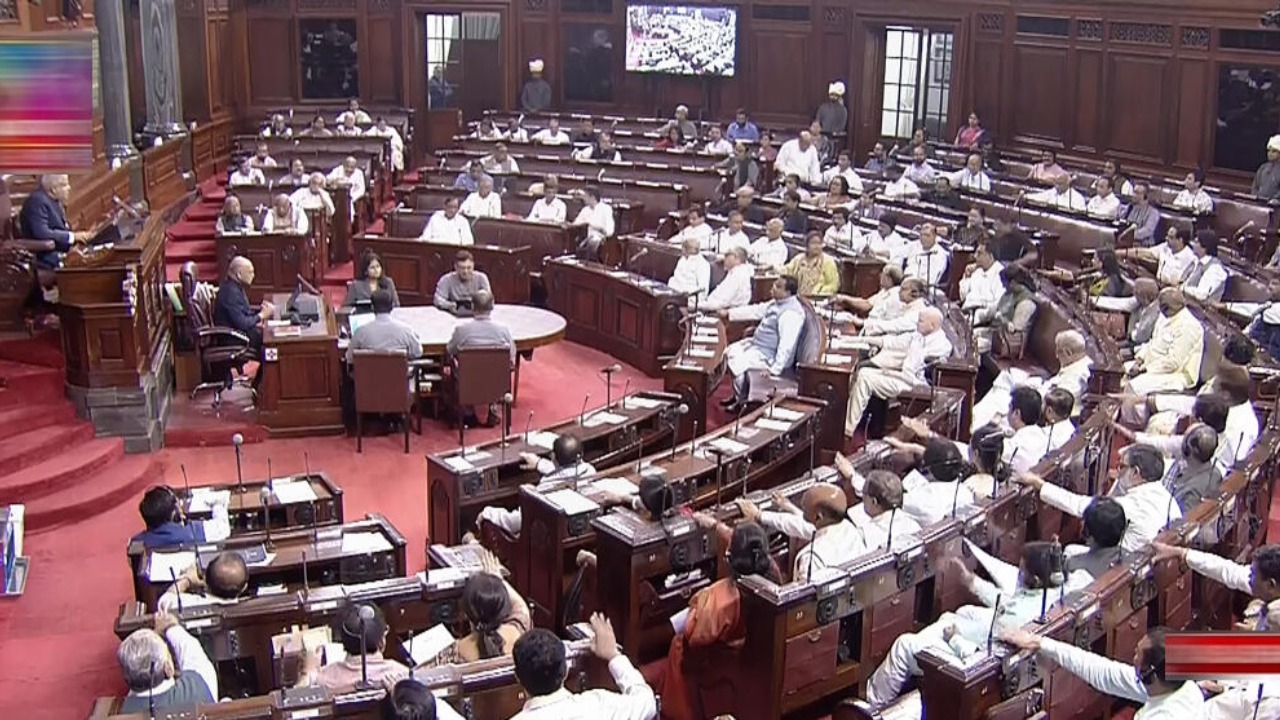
(300, 393)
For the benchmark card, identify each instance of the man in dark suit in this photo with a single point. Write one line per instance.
(44, 217)
(232, 308)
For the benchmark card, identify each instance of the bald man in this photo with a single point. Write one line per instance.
(769, 251)
(222, 583)
(899, 366)
(231, 308)
(350, 175)
(798, 156)
(1074, 369)
(832, 538)
(1170, 361)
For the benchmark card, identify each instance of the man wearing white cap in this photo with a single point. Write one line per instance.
(682, 121)
(536, 94)
(1266, 182)
(832, 114)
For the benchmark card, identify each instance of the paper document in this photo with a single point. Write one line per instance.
(364, 542)
(276, 589)
(679, 620)
(458, 463)
(444, 576)
(700, 353)
(542, 439)
(830, 359)
(1002, 573)
(203, 500)
(294, 491)
(707, 320)
(164, 567)
(774, 425)
(603, 417)
(781, 413)
(427, 646)
(474, 453)
(617, 486)
(571, 502)
(643, 402)
(729, 445)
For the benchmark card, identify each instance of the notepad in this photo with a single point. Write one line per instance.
(203, 500)
(643, 402)
(445, 577)
(279, 323)
(597, 419)
(774, 425)
(617, 486)
(571, 502)
(849, 343)
(459, 464)
(364, 543)
(541, 438)
(707, 320)
(830, 359)
(427, 646)
(700, 353)
(679, 620)
(729, 446)
(781, 413)
(291, 491)
(165, 567)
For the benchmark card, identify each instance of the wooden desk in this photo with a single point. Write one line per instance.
(332, 235)
(457, 494)
(326, 560)
(632, 318)
(694, 375)
(436, 186)
(278, 259)
(543, 239)
(531, 327)
(246, 507)
(301, 387)
(417, 266)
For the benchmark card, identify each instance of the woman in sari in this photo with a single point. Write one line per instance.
(971, 135)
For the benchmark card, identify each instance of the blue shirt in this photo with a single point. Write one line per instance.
(171, 534)
(748, 132)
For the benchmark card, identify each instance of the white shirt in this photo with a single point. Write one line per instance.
(846, 235)
(700, 232)
(967, 180)
(440, 228)
(1176, 346)
(552, 210)
(1121, 680)
(589, 153)
(829, 547)
(1104, 207)
(263, 162)
(1212, 281)
(397, 144)
(894, 323)
(1074, 378)
(546, 137)
(519, 135)
(1241, 432)
(635, 702)
(304, 199)
(598, 219)
(1069, 200)
(253, 177)
(1171, 267)
(719, 147)
(849, 174)
(354, 180)
(768, 253)
(1059, 433)
(901, 188)
(1200, 202)
(933, 502)
(692, 276)
(494, 166)
(477, 206)
(299, 217)
(891, 247)
(927, 265)
(1149, 508)
(722, 241)
(1028, 446)
(982, 289)
(734, 290)
(792, 160)
(908, 353)
(361, 117)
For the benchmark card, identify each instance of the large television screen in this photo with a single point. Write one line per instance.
(682, 39)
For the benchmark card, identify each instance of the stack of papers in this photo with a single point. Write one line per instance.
(603, 417)
(700, 353)
(781, 413)
(457, 463)
(617, 486)
(290, 491)
(165, 567)
(643, 402)
(427, 646)
(541, 438)
(203, 499)
(707, 320)
(730, 446)
(571, 502)
(774, 425)
(365, 543)
(445, 576)
(830, 359)
(849, 343)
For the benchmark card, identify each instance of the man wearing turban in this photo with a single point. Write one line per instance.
(1266, 182)
(832, 114)
(536, 94)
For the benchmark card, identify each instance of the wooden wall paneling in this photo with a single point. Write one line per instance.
(869, 91)
(379, 84)
(193, 75)
(219, 44)
(273, 59)
(1087, 112)
(1135, 98)
(783, 55)
(1040, 74)
(1195, 98)
(835, 59)
(986, 93)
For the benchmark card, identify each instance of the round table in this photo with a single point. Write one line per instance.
(530, 327)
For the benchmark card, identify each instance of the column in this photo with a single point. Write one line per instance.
(160, 68)
(114, 73)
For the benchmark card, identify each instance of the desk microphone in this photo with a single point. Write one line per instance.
(637, 256)
(527, 424)
(237, 440)
(622, 402)
(582, 416)
(955, 498)
(506, 422)
(306, 580)
(186, 485)
(271, 485)
(693, 442)
(177, 593)
(679, 411)
(773, 396)
(306, 465)
(151, 696)
(264, 497)
(888, 546)
(737, 422)
(995, 614)
(366, 614)
(812, 551)
(608, 383)
(719, 453)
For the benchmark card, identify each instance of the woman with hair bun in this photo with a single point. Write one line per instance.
(498, 616)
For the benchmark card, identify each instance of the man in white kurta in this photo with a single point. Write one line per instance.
(1061, 196)
(773, 345)
(981, 286)
(313, 196)
(548, 208)
(895, 315)
(735, 288)
(349, 175)
(971, 177)
(383, 130)
(565, 464)
(448, 226)
(1104, 204)
(799, 156)
(926, 258)
(1170, 361)
(885, 243)
(484, 202)
(769, 250)
(692, 275)
(899, 366)
(1206, 279)
(1074, 369)
(696, 228)
(597, 215)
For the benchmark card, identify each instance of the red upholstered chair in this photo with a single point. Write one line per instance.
(382, 385)
(219, 350)
(481, 377)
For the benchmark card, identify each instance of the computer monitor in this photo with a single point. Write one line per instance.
(356, 321)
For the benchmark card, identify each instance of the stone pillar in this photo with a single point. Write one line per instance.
(160, 67)
(114, 70)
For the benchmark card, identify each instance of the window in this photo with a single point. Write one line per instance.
(1248, 114)
(588, 63)
(443, 60)
(329, 67)
(917, 81)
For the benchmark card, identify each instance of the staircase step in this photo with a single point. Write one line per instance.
(182, 251)
(188, 230)
(119, 482)
(63, 471)
(205, 270)
(24, 418)
(22, 384)
(33, 447)
(202, 211)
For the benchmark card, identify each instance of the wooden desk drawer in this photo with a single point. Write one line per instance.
(884, 622)
(810, 658)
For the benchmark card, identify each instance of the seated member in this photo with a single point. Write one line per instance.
(231, 221)
(885, 243)
(1056, 415)
(971, 178)
(926, 258)
(1014, 313)
(167, 527)
(385, 332)
(500, 162)
(981, 286)
(1194, 476)
(297, 176)
(895, 313)
(224, 582)
(1240, 430)
(961, 634)
(843, 233)
(1141, 215)
(469, 179)
(939, 488)
(1074, 369)
(411, 700)
(1104, 204)
(262, 158)
(482, 330)
(351, 176)
(314, 196)
(1061, 196)
(814, 270)
(730, 236)
(566, 463)
(831, 540)
(920, 171)
(1173, 256)
(284, 217)
(1207, 278)
(548, 208)
(899, 187)
(597, 216)
(345, 675)
(794, 220)
(231, 307)
(1193, 197)
(551, 134)
(734, 289)
(1208, 408)
(448, 225)
(944, 195)
(246, 174)
(692, 275)
(383, 130)
(772, 346)
(277, 128)
(499, 616)
(1104, 524)
(1171, 360)
(1029, 442)
(1048, 170)
(769, 251)
(885, 302)
(541, 669)
(165, 668)
(1147, 503)
(899, 366)
(484, 202)
(1142, 682)
(712, 621)
(458, 288)
(844, 170)
(696, 227)
(371, 280)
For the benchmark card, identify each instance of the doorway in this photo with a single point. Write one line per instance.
(916, 90)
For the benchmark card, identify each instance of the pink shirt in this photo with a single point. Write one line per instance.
(343, 676)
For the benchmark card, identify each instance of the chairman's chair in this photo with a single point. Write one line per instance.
(219, 350)
(382, 384)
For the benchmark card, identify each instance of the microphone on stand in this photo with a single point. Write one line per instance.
(173, 575)
(151, 697)
(186, 486)
(237, 440)
(994, 615)
(812, 551)
(622, 402)
(639, 451)
(773, 395)
(270, 477)
(608, 383)
(888, 543)
(737, 422)
(527, 424)
(306, 580)
(719, 453)
(506, 422)
(681, 409)
(693, 443)
(366, 614)
(582, 416)
(264, 497)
